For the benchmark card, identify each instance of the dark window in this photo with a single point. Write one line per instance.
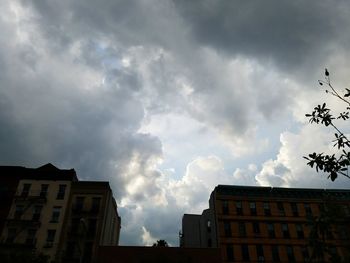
(290, 254)
(18, 211)
(95, 204)
(260, 253)
(307, 209)
(305, 254)
(11, 235)
(245, 253)
(225, 210)
(25, 190)
(346, 210)
(300, 232)
(55, 214)
(70, 250)
(334, 254)
(210, 243)
(43, 190)
(285, 230)
(267, 210)
(256, 228)
(79, 203)
(280, 208)
(294, 207)
(241, 229)
(61, 191)
(208, 226)
(87, 252)
(275, 254)
(50, 237)
(91, 227)
(271, 230)
(227, 228)
(229, 253)
(74, 228)
(37, 212)
(252, 206)
(30, 240)
(239, 209)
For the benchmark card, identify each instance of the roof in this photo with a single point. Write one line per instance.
(45, 172)
(281, 192)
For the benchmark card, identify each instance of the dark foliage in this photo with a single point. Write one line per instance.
(333, 164)
(160, 243)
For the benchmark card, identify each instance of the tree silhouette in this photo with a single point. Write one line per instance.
(333, 164)
(160, 243)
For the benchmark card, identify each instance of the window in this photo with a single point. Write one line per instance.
(252, 206)
(11, 235)
(25, 190)
(55, 214)
(37, 212)
(294, 207)
(346, 210)
(280, 208)
(260, 253)
(30, 240)
(74, 228)
(275, 254)
(70, 250)
(50, 237)
(239, 209)
(256, 228)
(91, 231)
(19, 211)
(229, 253)
(300, 232)
(285, 230)
(95, 204)
(79, 203)
(43, 190)
(271, 230)
(87, 252)
(208, 226)
(267, 210)
(210, 242)
(245, 253)
(225, 210)
(305, 254)
(307, 209)
(61, 191)
(227, 228)
(241, 229)
(290, 254)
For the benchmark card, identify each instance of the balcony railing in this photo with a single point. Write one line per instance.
(23, 222)
(31, 195)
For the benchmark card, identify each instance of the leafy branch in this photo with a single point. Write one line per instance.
(331, 164)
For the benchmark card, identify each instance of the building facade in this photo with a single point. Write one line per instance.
(264, 224)
(92, 221)
(39, 213)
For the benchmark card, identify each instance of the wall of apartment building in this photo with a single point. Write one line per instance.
(85, 227)
(200, 230)
(112, 222)
(243, 221)
(44, 223)
(249, 231)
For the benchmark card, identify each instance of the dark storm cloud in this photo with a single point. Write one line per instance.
(290, 33)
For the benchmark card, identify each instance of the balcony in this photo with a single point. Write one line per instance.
(36, 196)
(23, 222)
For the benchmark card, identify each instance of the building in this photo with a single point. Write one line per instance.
(264, 224)
(129, 254)
(91, 221)
(35, 215)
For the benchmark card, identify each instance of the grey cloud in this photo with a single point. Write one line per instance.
(292, 34)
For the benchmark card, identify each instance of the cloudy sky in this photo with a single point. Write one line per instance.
(167, 99)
